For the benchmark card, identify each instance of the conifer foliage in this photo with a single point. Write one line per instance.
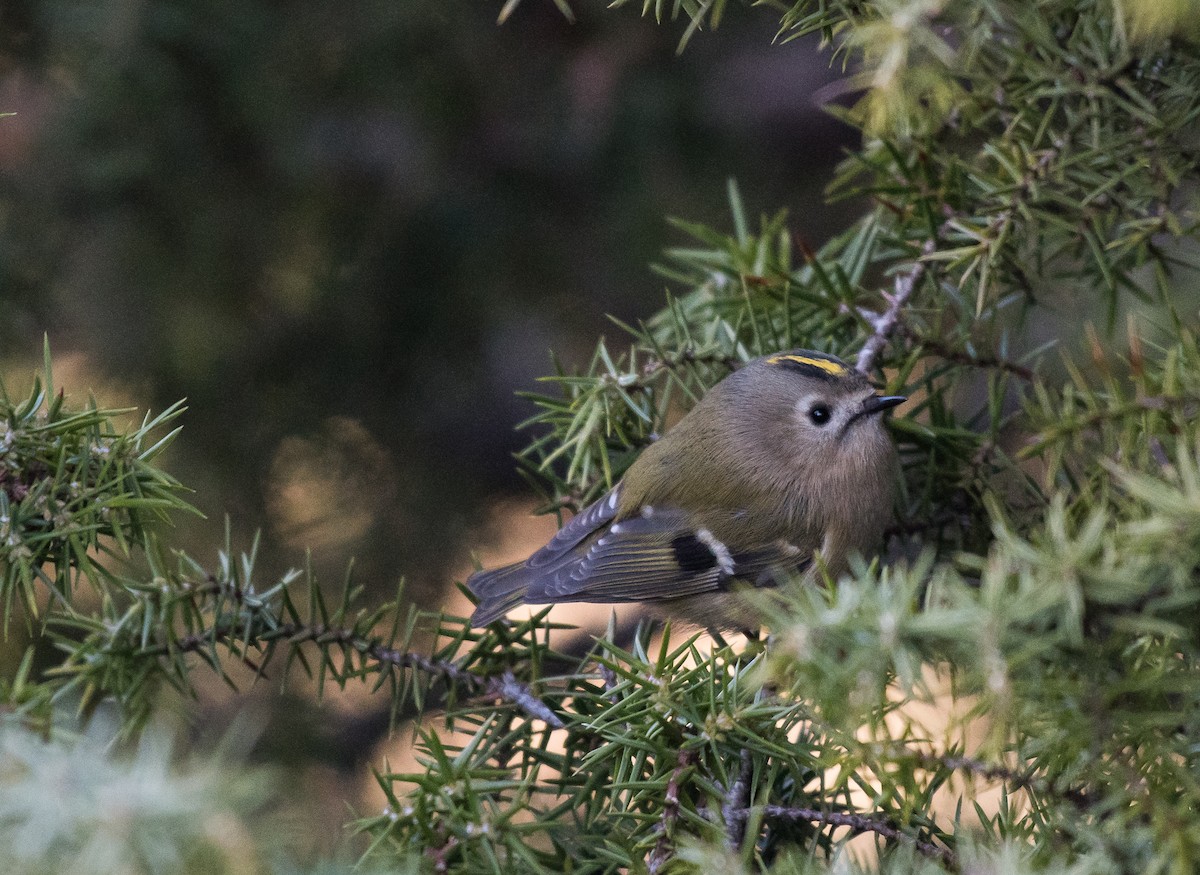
(1014, 687)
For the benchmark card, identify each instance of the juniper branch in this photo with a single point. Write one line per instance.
(734, 809)
(990, 771)
(858, 823)
(504, 686)
(666, 824)
(1014, 779)
(961, 357)
(1068, 425)
(885, 324)
(642, 378)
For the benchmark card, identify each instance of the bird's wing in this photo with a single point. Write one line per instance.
(579, 527)
(661, 554)
(502, 589)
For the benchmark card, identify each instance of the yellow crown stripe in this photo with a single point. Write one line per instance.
(822, 364)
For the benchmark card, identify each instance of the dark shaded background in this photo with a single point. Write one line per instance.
(347, 232)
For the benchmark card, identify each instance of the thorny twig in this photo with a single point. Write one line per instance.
(734, 809)
(504, 686)
(688, 356)
(885, 323)
(961, 357)
(641, 378)
(989, 771)
(859, 823)
(1067, 425)
(1027, 779)
(666, 824)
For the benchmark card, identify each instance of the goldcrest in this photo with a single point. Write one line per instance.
(785, 458)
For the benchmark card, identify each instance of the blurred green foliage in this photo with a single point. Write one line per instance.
(72, 804)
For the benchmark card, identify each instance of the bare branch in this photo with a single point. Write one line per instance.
(961, 357)
(1027, 779)
(885, 323)
(859, 823)
(666, 824)
(734, 810)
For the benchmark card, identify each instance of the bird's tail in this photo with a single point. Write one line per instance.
(499, 591)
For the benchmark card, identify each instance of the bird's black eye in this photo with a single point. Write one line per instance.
(819, 414)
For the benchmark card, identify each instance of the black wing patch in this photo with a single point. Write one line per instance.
(692, 555)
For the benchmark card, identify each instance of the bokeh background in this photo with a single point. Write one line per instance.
(347, 234)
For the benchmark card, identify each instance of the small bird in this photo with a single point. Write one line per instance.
(785, 457)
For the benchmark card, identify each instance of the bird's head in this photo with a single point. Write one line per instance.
(810, 408)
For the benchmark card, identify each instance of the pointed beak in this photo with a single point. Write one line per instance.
(879, 403)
